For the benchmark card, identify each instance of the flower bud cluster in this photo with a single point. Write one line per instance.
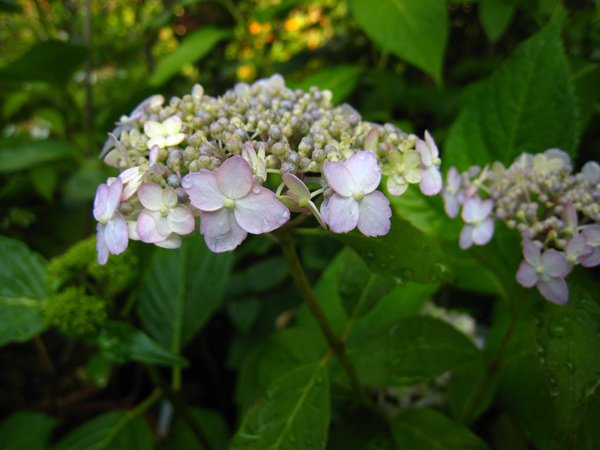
(327, 156)
(555, 210)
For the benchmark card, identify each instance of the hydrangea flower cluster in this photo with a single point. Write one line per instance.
(212, 156)
(555, 210)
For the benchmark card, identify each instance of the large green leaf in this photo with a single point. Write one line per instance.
(413, 349)
(280, 353)
(212, 425)
(53, 62)
(16, 431)
(528, 105)
(586, 80)
(22, 291)
(181, 290)
(24, 155)
(495, 17)
(116, 430)
(123, 342)
(569, 349)
(404, 253)
(359, 287)
(194, 47)
(293, 415)
(414, 30)
(426, 429)
(340, 80)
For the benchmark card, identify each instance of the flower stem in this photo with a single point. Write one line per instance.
(335, 343)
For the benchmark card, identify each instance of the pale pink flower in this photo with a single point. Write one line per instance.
(164, 134)
(431, 183)
(576, 250)
(452, 195)
(298, 198)
(592, 236)
(479, 226)
(545, 271)
(112, 235)
(232, 206)
(162, 215)
(356, 202)
(134, 176)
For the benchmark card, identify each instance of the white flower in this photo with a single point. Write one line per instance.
(479, 227)
(112, 235)
(431, 184)
(164, 134)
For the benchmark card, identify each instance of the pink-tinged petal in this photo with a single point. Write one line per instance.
(234, 177)
(342, 213)
(101, 245)
(593, 259)
(315, 211)
(172, 125)
(221, 231)
(325, 211)
(295, 185)
(130, 174)
(485, 209)
(471, 209)
(431, 184)
(100, 201)
(290, 201)
(153, 156)
(339, 178)
(451, 205)
(173, 241)
(592, 234)
(181, 220)
(116, 235)
(169, 197)
(483, 232)
(554, 290)
(577, 249)
(365, 171)
(152, 227)
(203, 190)
(260, 212)
(527, 275)
(113, 197)
(374, 214)
(151, 196)
(431, 144)
(466, 236)
(555, 263)
(531, 253)
(153, 129)
(569, 216)
(132, 229)
(372, 139)
(174, 139)
(425, 151)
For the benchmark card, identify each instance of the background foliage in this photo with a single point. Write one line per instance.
(188, 349)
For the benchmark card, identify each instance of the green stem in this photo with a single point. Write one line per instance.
(493, 365)
(336, 344)
(179, 406)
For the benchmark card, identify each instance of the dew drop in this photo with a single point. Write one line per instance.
(559, 327)
(570, 366)
(256, 189)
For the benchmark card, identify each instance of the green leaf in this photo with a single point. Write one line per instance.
(44, 181)
(414, 30)
(495, 17)
(53, 62)
(212, 424)
(470, 393)
(340, 80)
(16, 431)
(280, 353)
(412, 350)
(426, 429)
(24, 155)
(123, 342)
(22, 292)
(569, 349)
(116, 430)
(181, 290)
(586, 80)
(404, 253)
(99, 370)
(9, 6)
(589, 432)
(294, 413)
(358, 287)
(193, 47)
(528, 105)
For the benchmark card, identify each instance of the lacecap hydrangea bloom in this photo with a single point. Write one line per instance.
(219, 159)
(555, 210)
